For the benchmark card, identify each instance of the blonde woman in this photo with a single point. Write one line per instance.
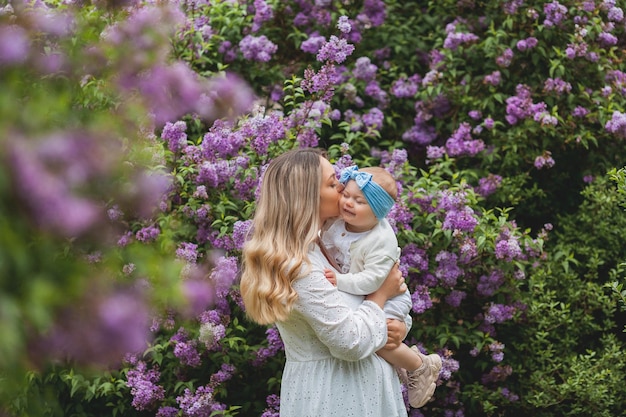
(330, 336)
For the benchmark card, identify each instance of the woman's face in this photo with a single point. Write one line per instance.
(330, 192)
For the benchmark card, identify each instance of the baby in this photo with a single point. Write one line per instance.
(363, 248)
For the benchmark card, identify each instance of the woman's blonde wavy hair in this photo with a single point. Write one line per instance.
(285, 225)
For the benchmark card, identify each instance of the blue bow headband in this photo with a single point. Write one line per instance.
(379, 200)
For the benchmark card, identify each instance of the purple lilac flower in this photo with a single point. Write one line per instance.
(174, 135)
(421, 299)
(488, 185)
(435, 152)
(506, 393)
(374, 13)
(528, 43)
(262, 13)
(555, 13)
(580, 111)
(221, 141)
(520, 106)
(557, 85)
(185, 349)
(475, 114)
(313, 43)
(455, 39)
(455, 297)
(364, 69)
(461, 142)
(373, 119)
(257, 48)
(588, 179)
(489, 284)
(406, 87)
(467, 250)
(616, 14)
(504, 60)
(544, 161)
(240, 232)
(229, 51)
(447, 269)
(199, 403)
(498, 373)
(499, 313)
(335, 50)
(508, 248)
(462, 219)
(167, 411)
(494, 78)
(322, 82)
(188, 252)
(343, 24)
(143, 386)
(510, 7)
(275, 344)
(273, 406)
(211, 334)
(496, 349)
(617, 124)
(607, 39)
(489, 123)
(448, 367)
(148, 234)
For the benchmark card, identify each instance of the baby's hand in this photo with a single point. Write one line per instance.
(330, 276)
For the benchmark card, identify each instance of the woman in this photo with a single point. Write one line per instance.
(330, 337)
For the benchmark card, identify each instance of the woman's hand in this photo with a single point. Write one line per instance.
(393, 285)
(396, 331)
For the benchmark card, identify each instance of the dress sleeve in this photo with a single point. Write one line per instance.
(349, 334)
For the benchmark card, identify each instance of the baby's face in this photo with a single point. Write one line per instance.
(355, 210)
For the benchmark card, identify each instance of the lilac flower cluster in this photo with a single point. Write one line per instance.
(462, 143)
(199, 403)
(488, 185)
(143, 386)
(544, 160)
(421, 300)
(212, 329)
(555, 13)
(497, 351)
(526, 44)
(489, 284)
(617, 124)
(262, 13)
(447, 271)
(188, 252)
(507, 247)
(275, 344)
(273, 406)
(557, 85)
(455, 297)
(321, 82)
(185, 349)
(455, 39)
(520, 106)
(257, 48)
(335, 50)
(405, 87)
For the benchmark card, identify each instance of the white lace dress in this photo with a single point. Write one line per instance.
(331, 369)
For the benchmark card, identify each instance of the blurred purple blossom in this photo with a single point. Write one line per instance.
(262, 13)
(257, 48)
(14, 45)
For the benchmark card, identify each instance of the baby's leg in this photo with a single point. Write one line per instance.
(401, 357)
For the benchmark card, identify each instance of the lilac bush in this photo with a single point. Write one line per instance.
(492, 118)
